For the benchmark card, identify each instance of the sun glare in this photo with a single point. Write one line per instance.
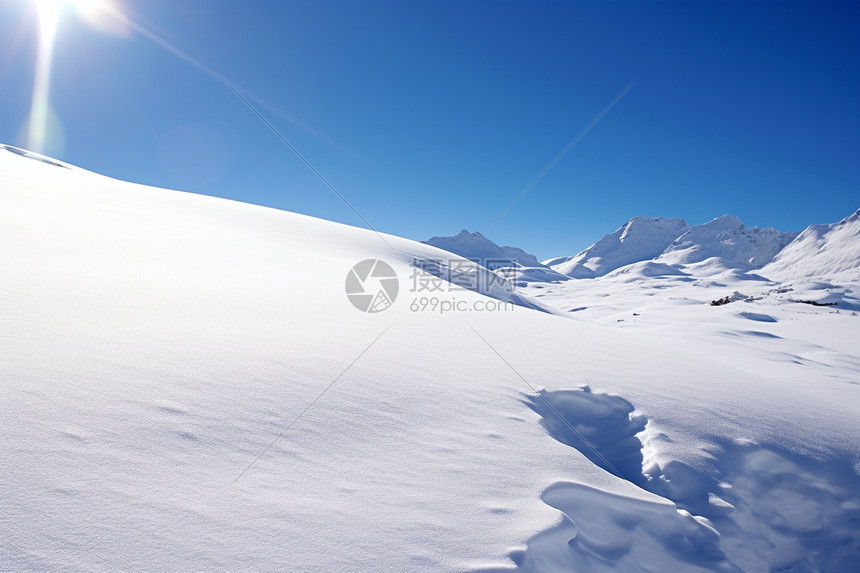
(82, 6)
(101, 14)
(37, 125)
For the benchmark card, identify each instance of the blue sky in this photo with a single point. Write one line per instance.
(432, 116)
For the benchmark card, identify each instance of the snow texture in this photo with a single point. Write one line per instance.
(184, 385)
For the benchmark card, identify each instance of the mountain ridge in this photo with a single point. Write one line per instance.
(477, 247)
(639, 239)
(670, 245)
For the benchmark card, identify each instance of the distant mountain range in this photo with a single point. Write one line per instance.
(477, 247)
(666, 246)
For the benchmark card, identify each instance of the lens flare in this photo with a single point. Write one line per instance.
(101, 14)
(48, 12)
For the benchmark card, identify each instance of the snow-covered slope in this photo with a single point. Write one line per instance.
(184, 385)
(640, 239)
(727, 240)
(825, 252)
(477, 247)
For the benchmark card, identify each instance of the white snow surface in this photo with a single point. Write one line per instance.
(185, 386)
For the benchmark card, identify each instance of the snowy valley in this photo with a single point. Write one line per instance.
(185, 385)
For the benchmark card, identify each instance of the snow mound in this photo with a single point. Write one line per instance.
(639, 239)
(646, 269)
(609, 533)
(476, 247)
(748, 508)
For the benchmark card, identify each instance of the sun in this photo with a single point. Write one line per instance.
(76, 4)
(87, 9)
(94, 12)
(50, 9)
(42, 130)
(102, 14)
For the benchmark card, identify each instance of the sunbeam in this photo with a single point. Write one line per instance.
(101, 14)
(49, 17)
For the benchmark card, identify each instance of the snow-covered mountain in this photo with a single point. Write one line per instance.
(720, 244)
(476, 247)
(640, 239)
(827, 252)
(662, 246)
(729, 241)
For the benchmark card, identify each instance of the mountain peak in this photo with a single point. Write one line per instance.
(672, 241)
(640, 239)
(477, 247)
(729, 242)
(852, 218)
(725, 221)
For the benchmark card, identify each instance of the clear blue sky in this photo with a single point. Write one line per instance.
(431, 116)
